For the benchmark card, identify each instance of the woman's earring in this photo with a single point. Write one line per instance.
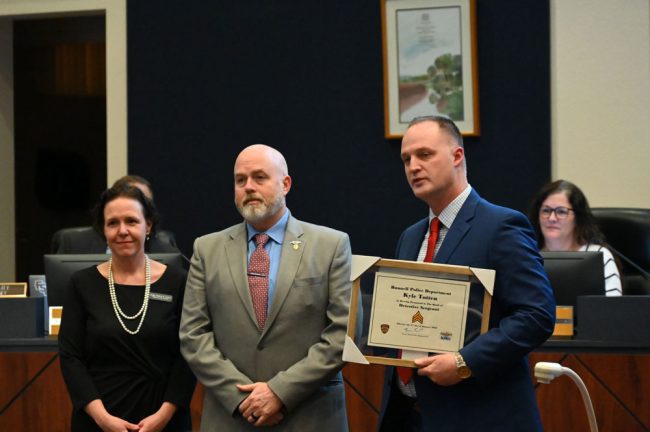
(147, 236)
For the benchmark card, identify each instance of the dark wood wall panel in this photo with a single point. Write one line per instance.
(45, 405)
(363, 396)
(627, 379)
(619, 386)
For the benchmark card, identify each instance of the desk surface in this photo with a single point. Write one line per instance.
(50, 344)
(592, 346)
(44, 344)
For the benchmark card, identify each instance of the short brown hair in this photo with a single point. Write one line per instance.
(445, 124)
(125, 191)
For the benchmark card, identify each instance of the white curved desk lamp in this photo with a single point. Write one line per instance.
(546, 372)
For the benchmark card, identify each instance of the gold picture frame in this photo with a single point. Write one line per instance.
(430, 63)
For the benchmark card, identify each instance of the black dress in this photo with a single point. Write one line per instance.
(132, 374)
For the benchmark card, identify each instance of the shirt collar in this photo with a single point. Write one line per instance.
(449, 213)
(276, 232)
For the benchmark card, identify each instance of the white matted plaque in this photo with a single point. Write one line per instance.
(418, 313)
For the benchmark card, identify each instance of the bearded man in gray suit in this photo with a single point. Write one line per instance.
(278, 364)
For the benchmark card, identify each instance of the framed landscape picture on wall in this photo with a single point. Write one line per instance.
(430, 63)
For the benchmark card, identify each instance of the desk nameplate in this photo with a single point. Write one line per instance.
(13, 289)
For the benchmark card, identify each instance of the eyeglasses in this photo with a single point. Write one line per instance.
(560, 212)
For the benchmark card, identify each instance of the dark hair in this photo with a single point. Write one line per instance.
(131, 179)
(586, 230)
(124, 191)
(445, 124)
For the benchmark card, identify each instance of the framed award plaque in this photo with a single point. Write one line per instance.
(414, 307)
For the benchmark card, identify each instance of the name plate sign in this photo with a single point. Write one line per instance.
(13, 289)
(56, 312)
(418, 313)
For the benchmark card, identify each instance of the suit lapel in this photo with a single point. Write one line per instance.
(411, 245)
(458, 230)
(236, 251)
(289, 261)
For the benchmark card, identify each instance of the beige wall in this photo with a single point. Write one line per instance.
(600, 80)
(7, 201)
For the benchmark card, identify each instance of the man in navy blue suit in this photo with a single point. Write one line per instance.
(487, 385)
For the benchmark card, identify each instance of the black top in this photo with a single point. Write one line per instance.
(132, 374)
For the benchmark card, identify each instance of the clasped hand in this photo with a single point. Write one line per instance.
(153, 423)
(261, 407)
(107, 422)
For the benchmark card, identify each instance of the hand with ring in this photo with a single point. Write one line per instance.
(270, 421)
(261, 407)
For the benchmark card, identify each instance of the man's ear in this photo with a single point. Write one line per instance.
(459, 155)
(286, 184)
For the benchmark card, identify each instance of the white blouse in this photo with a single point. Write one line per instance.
(612, 277)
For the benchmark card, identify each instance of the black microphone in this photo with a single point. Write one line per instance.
(634, 265)
(186, 259)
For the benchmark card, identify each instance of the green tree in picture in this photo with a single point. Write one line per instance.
(446, 82)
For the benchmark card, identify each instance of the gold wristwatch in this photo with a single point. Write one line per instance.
(463, 370)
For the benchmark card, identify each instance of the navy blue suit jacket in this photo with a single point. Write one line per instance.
(499, 396)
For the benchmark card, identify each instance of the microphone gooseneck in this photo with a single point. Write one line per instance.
(634, 265)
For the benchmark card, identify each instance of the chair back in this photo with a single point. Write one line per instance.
(61, 238)
(628, 231)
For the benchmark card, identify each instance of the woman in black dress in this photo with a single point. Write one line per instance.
(118, 340)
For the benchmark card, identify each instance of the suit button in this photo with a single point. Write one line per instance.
(260, 348)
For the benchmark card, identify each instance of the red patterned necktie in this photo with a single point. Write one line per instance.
(433, 239)
(404, 373)
(258, 278)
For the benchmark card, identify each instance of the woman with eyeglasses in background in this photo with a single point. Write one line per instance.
(563, 221)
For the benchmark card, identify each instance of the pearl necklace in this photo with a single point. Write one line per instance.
(145, 304)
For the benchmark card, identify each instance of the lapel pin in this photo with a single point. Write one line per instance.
(296, 244)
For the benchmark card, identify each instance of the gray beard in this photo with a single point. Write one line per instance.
(260, 212)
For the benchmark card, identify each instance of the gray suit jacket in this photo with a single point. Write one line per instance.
(298, 353)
